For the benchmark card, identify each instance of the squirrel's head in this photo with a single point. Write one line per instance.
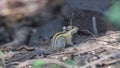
(72, 29)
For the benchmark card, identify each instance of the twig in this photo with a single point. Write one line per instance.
(112, 62)
(94, 26)
(99, 60)
(89, 33)
(26, 48)
(9, 54)
(3, 61)
(64, 52)
(82, 51)
(71, 18)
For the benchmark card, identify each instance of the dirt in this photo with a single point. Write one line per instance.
(29, 32)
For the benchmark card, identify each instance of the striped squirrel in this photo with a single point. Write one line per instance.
(61, 39)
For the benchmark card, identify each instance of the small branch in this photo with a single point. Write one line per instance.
(4, 56)
(94, 26)
(89, 33)
(101, 59)
(71, 18)
(3, 62)
(112, 62)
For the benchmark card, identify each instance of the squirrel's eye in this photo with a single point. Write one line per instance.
(72, 27)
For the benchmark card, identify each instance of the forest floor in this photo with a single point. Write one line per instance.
(25, 40)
